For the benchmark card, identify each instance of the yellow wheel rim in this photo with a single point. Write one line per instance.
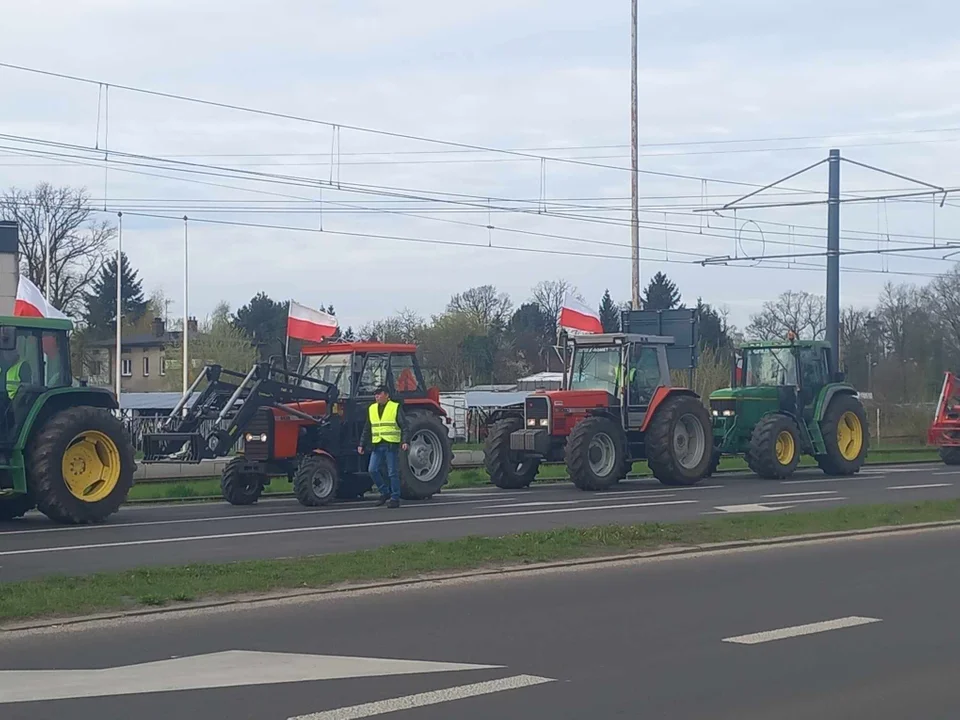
(91, 466)
(786, 448)
(850, 436)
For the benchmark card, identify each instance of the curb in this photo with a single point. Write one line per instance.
(239, 601)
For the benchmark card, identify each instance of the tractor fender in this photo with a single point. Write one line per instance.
(324, 453)
(826, 396)
(659, 395)
(57, 399)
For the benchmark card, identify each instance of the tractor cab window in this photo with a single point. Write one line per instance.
(334, 369)
(596, 369)
(374, 373)
(56, 359)
(813, 368)
(771, 367)
(406, 379)
(21, 365)
(644, 374)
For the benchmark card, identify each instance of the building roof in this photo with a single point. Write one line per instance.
(150, 400)
(487, 399)
(147, 339)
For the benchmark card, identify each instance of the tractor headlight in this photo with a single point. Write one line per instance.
(728, 413)
(531, 422)
(716, 413)
(544, 422)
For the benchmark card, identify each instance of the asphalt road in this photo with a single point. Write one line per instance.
(847, 629)
(178, 534)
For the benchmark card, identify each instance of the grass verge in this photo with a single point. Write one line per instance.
(61, 596)
(475, 477)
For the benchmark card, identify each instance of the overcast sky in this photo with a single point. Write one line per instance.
(873, 78)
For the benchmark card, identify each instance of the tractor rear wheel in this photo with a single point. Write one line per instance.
(425, 466)
(774, 451)
(240, 484)
(15, 506)
(950, 455)
(508, 470)
(80, 465)
(316, 481)
(595, 453)
(845, 435)
(679, 441)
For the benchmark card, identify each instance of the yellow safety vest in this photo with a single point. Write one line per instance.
(384, 428)
(13, 379)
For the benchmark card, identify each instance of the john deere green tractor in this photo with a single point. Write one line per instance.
(786, 400)
(62, 448)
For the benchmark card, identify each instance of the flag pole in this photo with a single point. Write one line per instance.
(119, 299)
(186, 312)
(286, 332)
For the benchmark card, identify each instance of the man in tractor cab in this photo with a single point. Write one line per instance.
(386, 431)
(17, 371)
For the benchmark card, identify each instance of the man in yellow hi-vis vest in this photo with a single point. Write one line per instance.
(385, 431)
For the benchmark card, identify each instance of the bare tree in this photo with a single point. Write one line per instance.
(404, 327)
(62, 217)
(802, 313)
(484, 304)
(550, 294)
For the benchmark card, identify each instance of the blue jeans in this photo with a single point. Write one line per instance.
(389, 455)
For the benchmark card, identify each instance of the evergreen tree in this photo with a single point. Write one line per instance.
(609, 313)
(100, 312)
(661, 294)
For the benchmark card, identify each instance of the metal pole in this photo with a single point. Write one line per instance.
(119, 299)
(186, 311)
(46, 268)
(634, 164)
(833, 258)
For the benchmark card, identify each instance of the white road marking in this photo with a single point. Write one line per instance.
(803, 494)
(549, 503)
(745, 508)
(798, 630)
(919, 487)
(947, 472)
(233, 668)
(822, 480)
(343, 526)
(773, 504)
(435, 697)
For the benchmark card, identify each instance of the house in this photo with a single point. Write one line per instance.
(143, 359)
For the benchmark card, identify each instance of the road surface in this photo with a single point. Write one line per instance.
(178, 534)
(848, 629)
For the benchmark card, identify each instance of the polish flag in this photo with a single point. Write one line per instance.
(31, 302)
(304, 323)
(576, 316)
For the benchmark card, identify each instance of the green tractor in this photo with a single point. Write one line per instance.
(786, 399)
(62, 448)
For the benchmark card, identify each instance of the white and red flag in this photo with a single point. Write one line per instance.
(576, 316)
(31, 302)
(305, 323)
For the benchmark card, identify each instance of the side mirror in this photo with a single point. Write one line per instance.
(8, 338)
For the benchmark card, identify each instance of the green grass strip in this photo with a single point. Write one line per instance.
(63, 596)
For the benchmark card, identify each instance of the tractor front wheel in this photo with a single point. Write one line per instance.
(316, 481)
(425, 466)
(774, 451)
(595, 453)
(845, 435)
(80, 465)
(679, 441)
(950, 455)
(240, 483)
(15, 506)
(508, 470)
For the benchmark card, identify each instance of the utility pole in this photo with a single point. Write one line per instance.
(634, 163)
(833, 257)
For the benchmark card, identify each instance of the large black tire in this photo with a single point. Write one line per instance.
(595, 453)
(15, 506)
(774, 450)
(679, 441)
(507, 469)
(425, 467)
(316, 480)
(845, 435)
(950, 455)
(241, 485)
(70, 443)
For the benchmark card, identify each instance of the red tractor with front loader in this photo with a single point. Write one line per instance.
(617, 406)
(944, 433)
(307, 424)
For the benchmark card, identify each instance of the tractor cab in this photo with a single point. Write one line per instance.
(358, 368)
(787, 399)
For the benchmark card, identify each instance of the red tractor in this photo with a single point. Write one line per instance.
(616, 406)
(307, 424)
(944, 433)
